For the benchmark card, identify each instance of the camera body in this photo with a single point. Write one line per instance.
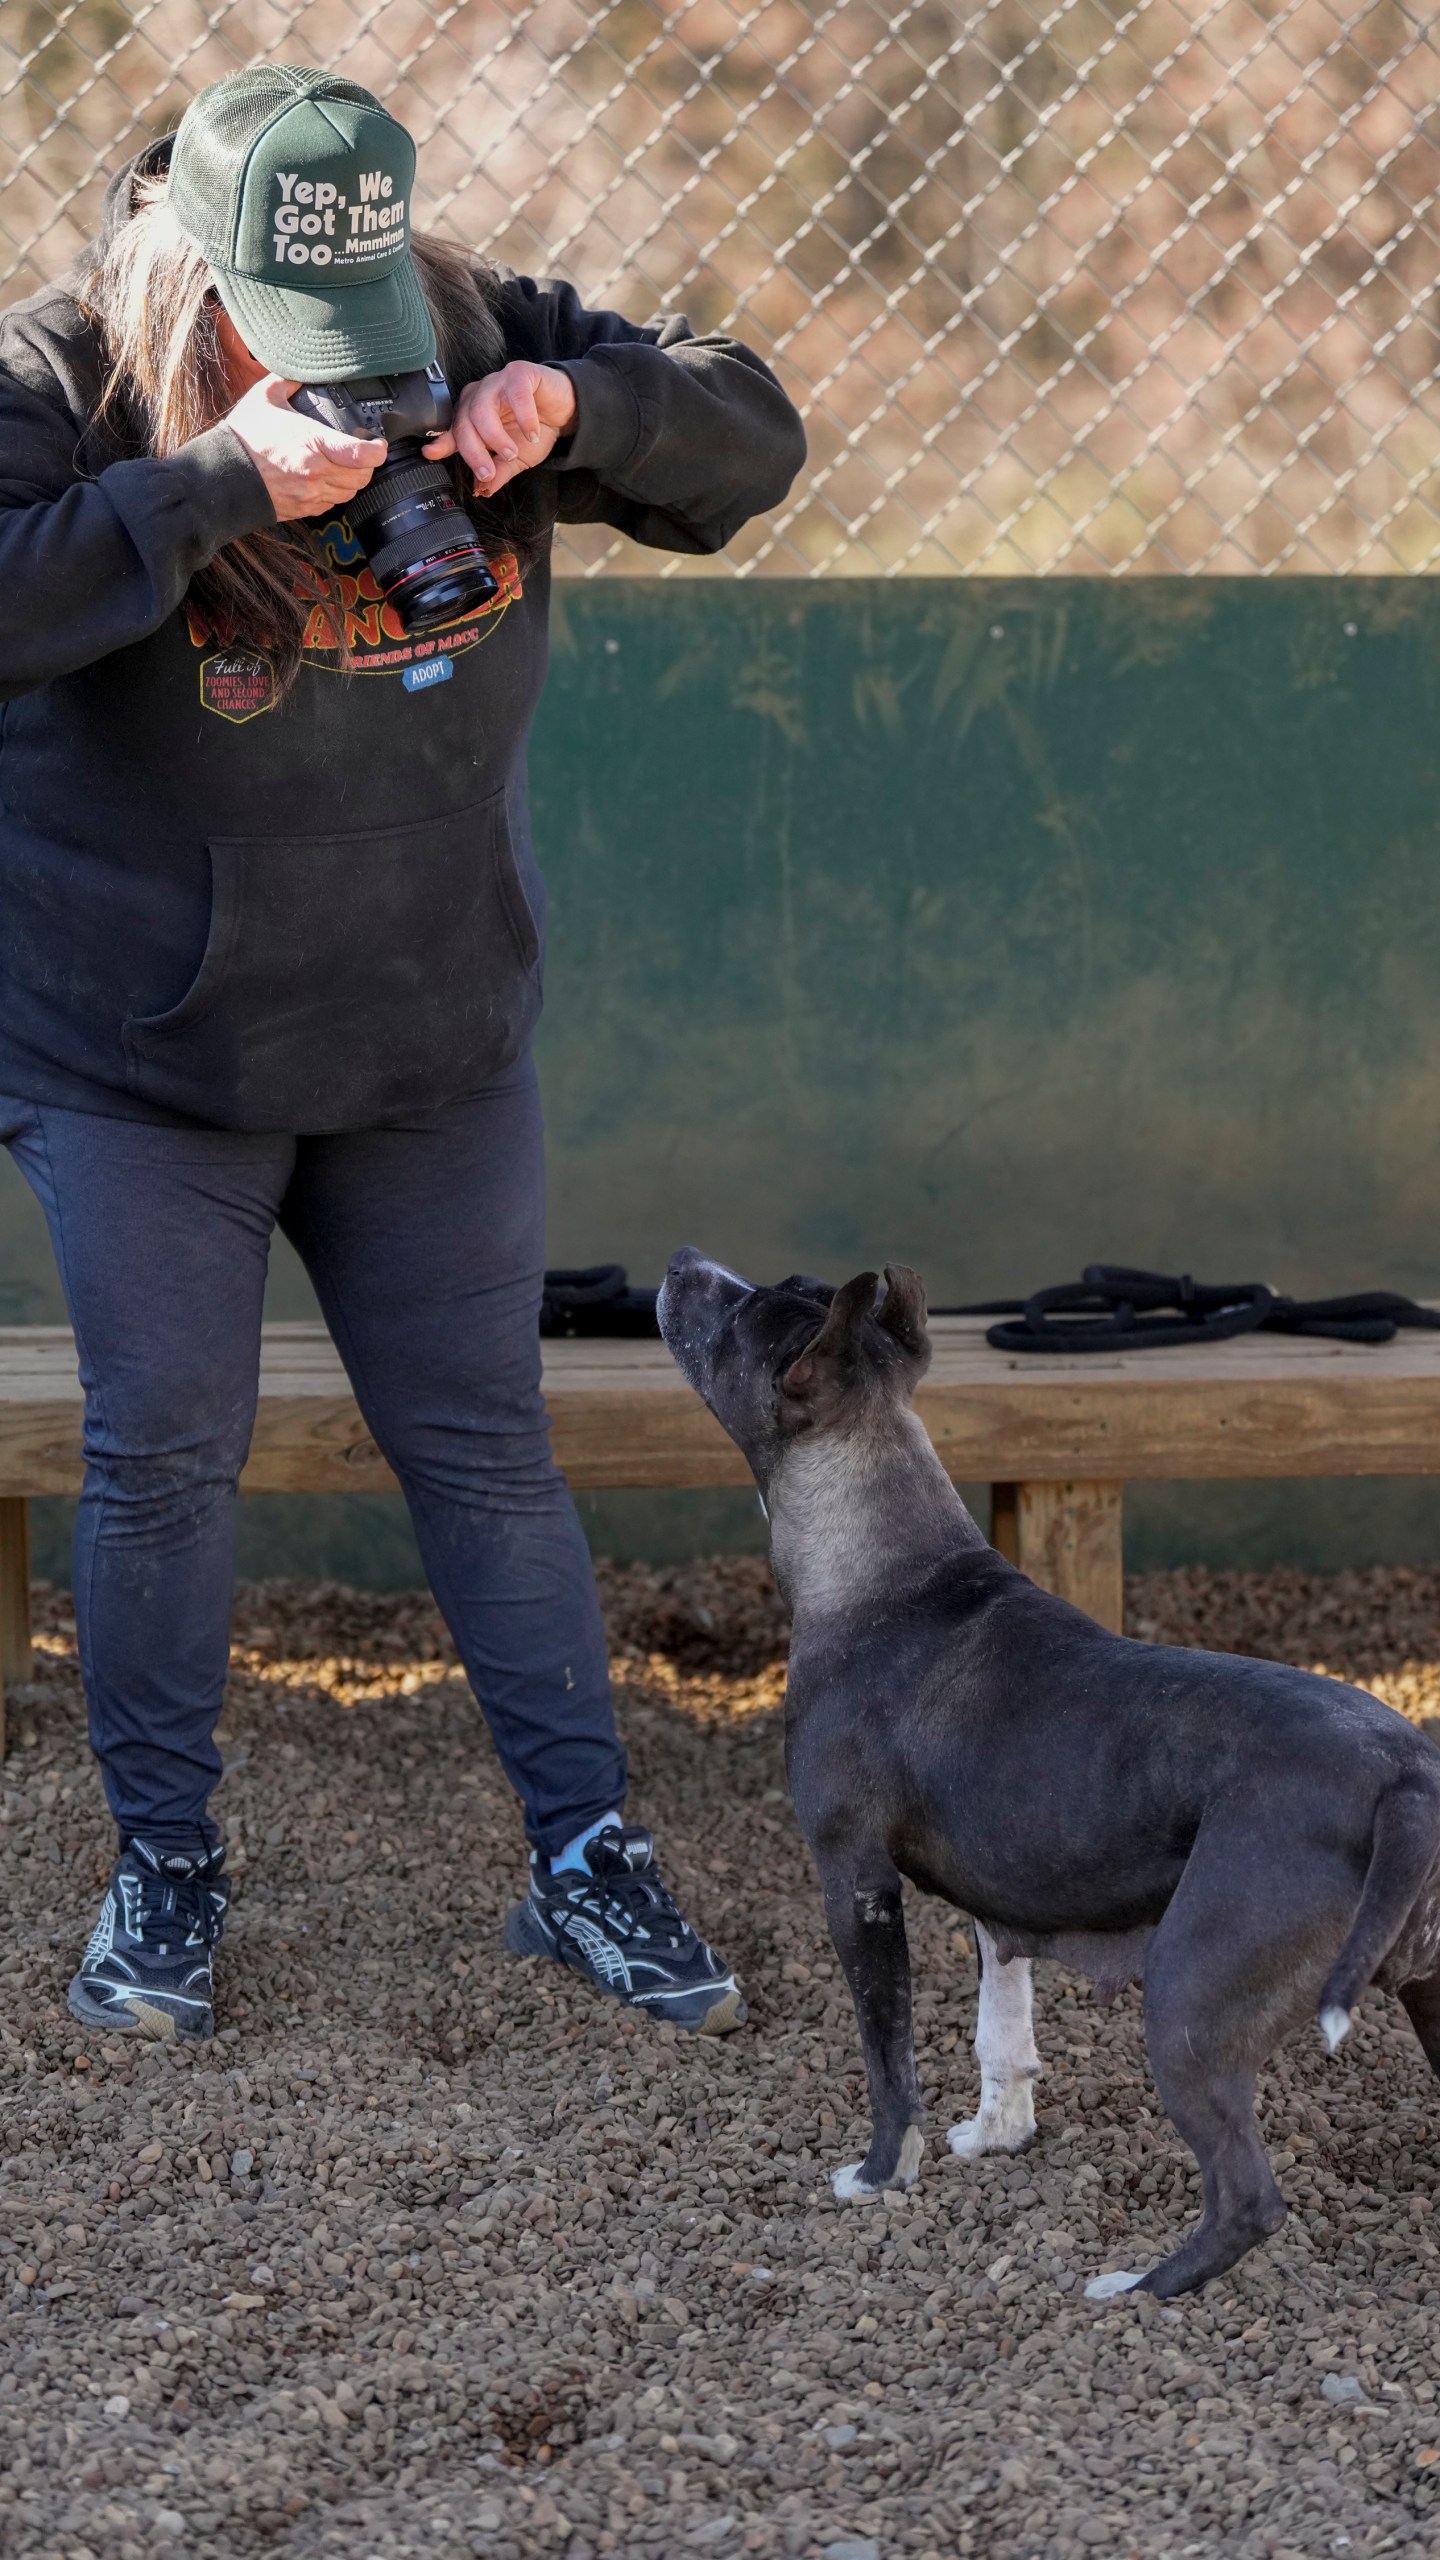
(401, 407)
(418, 539)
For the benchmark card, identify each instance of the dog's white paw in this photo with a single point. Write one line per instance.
(849, 2185)
(1009, 2129)
(1100, 2288)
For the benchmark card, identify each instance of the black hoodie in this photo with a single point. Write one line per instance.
(318, 912)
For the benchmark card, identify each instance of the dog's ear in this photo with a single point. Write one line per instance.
(902, 1309)
(838, 1339)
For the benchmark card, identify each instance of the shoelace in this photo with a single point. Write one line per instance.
(631, 1900)
(189, 1912)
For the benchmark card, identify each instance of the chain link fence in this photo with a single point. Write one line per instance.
(1081, 288)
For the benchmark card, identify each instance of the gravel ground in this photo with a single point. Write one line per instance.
(435, 2253)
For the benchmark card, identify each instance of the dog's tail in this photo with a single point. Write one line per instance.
(1404, 1847)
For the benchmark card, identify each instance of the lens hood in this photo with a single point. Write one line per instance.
(420, 543)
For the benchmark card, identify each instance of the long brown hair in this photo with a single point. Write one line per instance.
(151, 298)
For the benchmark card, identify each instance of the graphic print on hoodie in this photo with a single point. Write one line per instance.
(239, 683)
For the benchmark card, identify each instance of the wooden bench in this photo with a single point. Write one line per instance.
(1058, 1439)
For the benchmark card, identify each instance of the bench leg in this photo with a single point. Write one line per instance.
(1004, 1521)
(1069, 1540)
(16, 1657)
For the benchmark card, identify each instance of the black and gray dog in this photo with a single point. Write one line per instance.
(1255, 1843)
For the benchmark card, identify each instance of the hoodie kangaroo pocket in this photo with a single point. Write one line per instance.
(349, 979)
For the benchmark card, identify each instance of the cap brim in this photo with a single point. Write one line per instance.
(381, 326)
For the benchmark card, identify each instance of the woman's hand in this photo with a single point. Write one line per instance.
(507, 422)
(307, 468)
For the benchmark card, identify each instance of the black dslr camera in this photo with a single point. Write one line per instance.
(410, 525)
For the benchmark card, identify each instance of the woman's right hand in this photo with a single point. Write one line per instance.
(307, 468)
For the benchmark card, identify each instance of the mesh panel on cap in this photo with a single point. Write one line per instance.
(235, 109)
(220, 128)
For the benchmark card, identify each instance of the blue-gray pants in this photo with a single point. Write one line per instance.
(425, 1245)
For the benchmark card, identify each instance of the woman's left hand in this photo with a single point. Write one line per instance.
(507, 422)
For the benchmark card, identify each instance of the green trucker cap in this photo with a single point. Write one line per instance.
(297, 188)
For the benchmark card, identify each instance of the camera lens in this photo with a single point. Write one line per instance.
(419, 541)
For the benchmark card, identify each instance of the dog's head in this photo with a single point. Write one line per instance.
(778, 1365)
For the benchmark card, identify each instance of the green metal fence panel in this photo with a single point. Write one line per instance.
(999, 926)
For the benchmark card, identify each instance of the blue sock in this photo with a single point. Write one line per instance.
(573, 1853)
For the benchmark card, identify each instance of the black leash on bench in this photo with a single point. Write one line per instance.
(1112, 1308)
(597, 1301)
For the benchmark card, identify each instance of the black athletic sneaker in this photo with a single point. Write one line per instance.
(618, 1926)
(146, 1970)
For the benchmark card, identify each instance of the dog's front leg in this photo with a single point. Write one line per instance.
(867, 1923)
(1005, 2051)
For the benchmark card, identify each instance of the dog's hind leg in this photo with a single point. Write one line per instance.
(1216, 2004)
(1005, 2051)
(867, 1923)
(1215, 2114)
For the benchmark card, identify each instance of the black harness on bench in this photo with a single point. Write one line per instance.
(1115, 1309)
